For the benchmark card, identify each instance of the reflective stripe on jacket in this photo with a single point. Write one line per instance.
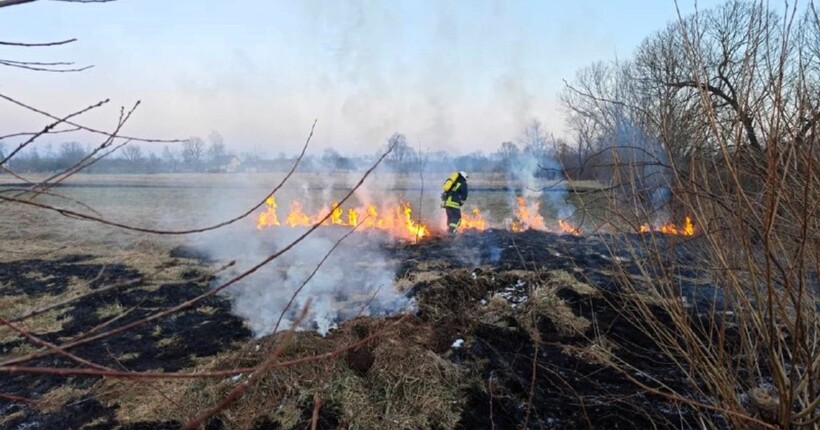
(455, 197)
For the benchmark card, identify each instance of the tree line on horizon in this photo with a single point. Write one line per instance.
(212, 155)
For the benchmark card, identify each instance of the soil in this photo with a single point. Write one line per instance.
(545, 384)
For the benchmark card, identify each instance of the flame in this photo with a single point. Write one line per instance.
(473, 221)
(372, 217)
(526, 216)
(687, 229)
(418, 230)
(565, 227)
(336, 214)
(352, 217)
(396, 219)
(296, 217)
(268, 218)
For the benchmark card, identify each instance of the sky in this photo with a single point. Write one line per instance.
(460, 76)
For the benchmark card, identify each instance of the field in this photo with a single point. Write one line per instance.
(184, 201)
(525, 323)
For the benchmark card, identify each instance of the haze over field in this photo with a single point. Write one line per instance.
(459, 76)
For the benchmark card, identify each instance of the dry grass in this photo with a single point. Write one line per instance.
(58, 397)
(562, 279)
(543, 302)
(141, 401)
(546, 304)
(109, 310)
(407, 387)
(13, 306)
(496, 312)
(749, 177)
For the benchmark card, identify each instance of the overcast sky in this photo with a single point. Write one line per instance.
(454, 75)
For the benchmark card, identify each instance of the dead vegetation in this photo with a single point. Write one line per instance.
(407, 377)
(473, 325)
(632, 337)
(722, 105)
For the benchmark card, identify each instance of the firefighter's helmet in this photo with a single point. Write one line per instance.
(463, 173)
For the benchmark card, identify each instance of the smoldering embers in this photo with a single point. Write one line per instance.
(356, 279)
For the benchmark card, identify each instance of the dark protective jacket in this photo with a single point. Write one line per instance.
(455, 191)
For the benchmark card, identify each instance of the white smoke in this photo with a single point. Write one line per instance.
(651, 176)
(535, 174)
(357, 278)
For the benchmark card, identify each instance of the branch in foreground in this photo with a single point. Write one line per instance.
(61, 42)
(48, 128)
(43, 67)
(195, 375)
(86, 128)
(213, 291)
(73, 214)
(7, 3)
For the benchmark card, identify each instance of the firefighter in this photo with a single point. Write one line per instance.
(454, 195)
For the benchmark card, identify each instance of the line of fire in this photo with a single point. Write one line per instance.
(398, 220)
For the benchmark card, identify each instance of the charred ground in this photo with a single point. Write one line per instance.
(531, 311)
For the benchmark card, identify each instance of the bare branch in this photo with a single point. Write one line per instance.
(217, 289)
(42, 67)
(48, 128)
(7, 3)
(61, 42)
(85, 128)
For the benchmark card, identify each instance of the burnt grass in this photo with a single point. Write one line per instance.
(569, 391)
(548, 386)
(167, 344)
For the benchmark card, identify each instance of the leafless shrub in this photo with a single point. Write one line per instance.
(731, 95)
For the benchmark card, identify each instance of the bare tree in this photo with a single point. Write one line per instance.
(402, 155)
(534, 140)
(508, 151)
(170, 157)
(730, 95)
(193, 152)
(216, 149)
(133, 154)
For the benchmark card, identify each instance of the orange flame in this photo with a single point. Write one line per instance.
(352, 217)
(417, 230)
(687, 229)
(268, 218)
(396, 220)
(526, 216)
(473, 221)
(336, 215)
(565, 227)
(296, 217)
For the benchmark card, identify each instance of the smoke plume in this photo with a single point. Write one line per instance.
(357, 278)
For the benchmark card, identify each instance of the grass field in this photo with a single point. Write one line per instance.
(193, 200)
(46, 258)
(518, 301)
